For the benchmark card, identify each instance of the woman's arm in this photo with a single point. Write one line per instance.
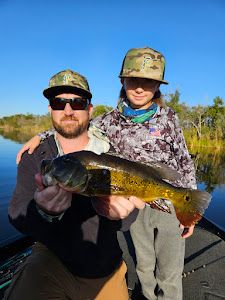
(182, 156)
(33, 143)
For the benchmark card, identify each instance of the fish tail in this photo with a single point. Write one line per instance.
(192, 207)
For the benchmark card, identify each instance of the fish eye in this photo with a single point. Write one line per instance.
(187, 198)
(66, 159)
(104, 172)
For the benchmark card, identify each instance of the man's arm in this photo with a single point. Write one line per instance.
(24, 191)
(183, 158)
(31, 198)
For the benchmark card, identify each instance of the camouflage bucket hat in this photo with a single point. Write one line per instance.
(67, 82)
(144, 63)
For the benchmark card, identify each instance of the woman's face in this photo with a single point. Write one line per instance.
(140, 91)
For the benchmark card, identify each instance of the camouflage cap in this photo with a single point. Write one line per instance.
(144, 63)
(67, 81)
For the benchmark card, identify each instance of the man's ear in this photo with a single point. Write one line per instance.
(50, 110)
(90, 110)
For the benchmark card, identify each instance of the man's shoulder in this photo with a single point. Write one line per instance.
(47, 148)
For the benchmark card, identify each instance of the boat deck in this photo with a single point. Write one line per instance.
(204, 271)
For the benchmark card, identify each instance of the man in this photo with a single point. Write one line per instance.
(77, 255)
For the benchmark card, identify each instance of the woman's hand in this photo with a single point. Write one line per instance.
(31, 145)
(187, 231)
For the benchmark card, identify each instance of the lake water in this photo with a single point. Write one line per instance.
(210, 173)
(8, 169)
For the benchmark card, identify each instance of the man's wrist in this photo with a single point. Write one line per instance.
(48, 217)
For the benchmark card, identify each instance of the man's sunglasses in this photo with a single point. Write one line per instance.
(75, 103)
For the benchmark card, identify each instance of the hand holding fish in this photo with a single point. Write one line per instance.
(187, 231)
(52, 199)
(116, 207)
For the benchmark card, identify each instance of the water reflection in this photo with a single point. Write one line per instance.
(210, 166)
(17, 135)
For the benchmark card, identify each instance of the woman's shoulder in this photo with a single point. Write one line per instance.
(167, 110)
(106, 117)
(166, 113)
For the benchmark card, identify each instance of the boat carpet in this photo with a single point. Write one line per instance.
(204, 271)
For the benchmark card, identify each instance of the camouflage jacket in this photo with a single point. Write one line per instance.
(160, 139)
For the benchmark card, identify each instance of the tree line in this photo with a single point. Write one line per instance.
(203, 126)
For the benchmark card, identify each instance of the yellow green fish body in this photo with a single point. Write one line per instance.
(100, 175)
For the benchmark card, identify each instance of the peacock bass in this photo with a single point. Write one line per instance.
(90, 174)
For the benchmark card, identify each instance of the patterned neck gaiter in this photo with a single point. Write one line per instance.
(136, 115)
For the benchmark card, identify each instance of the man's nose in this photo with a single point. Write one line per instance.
(68, 109)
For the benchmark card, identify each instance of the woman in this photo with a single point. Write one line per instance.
(142, 129)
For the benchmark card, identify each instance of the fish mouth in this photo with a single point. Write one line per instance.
(69, 173)
(46, 165)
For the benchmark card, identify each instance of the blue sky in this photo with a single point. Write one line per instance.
(40, 38)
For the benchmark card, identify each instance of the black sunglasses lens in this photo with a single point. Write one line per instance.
(79, 104)
(57, 104)
(75, 103)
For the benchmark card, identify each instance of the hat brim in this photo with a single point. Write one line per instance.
(57, 90)
(161, 81)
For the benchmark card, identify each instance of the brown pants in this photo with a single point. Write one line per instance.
(44, 277)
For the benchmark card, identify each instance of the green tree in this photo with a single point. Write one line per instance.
(100, 110)
(197, 118)
(173, 101)
(216, 116)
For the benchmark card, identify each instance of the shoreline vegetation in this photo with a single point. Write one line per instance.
(203, 126)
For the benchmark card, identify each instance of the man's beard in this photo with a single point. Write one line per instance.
(70, 131)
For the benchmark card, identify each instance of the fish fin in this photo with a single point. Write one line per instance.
(152, 168)
(188, 218)
(192, 212)
(160, 204)
(164, 172)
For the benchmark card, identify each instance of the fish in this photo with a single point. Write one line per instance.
(90, 174)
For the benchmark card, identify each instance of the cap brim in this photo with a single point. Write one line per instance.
(57, 90)
(161, 81)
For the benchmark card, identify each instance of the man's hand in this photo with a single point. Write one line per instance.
(187, 231)
(116, 207)
(53, 200)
